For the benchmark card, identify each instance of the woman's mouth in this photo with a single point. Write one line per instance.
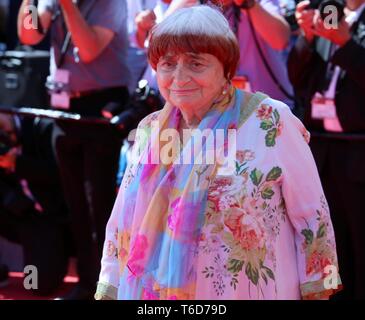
(182, 92)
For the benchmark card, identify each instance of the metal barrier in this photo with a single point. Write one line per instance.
(339, 136)
(62, 115)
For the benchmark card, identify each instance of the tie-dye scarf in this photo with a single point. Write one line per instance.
(163, 212)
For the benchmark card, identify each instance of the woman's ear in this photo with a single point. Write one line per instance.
(226, 87)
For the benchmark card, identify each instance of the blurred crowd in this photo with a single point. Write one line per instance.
(59, 175)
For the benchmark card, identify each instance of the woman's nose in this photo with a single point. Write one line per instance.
(181, 75)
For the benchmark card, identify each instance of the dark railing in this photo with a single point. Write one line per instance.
(339, 136)
(62, 115)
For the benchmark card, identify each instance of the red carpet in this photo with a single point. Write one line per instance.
(16, 291)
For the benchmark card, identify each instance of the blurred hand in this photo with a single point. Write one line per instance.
(178, 4)
(8, 160)
(145, 20)
(339, 35)
(305, 19)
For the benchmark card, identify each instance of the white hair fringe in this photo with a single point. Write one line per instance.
(196, 20)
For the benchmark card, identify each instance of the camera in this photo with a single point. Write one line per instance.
(322, 4)
(144, 101)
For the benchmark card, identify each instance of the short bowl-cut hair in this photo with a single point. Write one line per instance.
(197, 29)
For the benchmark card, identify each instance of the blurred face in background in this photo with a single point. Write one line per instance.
(354, 4)
(222, 2)
(226, 3)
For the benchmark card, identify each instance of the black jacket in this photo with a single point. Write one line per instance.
(38, 166)
(307, 65)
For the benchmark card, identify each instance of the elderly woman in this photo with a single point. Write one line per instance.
(252, 226)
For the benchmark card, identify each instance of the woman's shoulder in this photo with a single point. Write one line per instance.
(287, 122)
(276, 120)
(276, 104)
(265, 107)
(260, 106)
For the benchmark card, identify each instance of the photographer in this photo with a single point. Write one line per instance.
(32, 207)
(262, 34)
(88, 73)
(327, 69)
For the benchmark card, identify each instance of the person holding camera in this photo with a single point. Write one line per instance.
(327, 69)
(33, 211)
(262, 34)
(137, 59)
(89, 73)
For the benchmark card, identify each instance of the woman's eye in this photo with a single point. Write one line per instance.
(197, 65)
(167, 65)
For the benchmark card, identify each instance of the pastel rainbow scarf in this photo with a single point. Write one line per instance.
(164, 210)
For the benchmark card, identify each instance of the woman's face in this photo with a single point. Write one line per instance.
(190, 80)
